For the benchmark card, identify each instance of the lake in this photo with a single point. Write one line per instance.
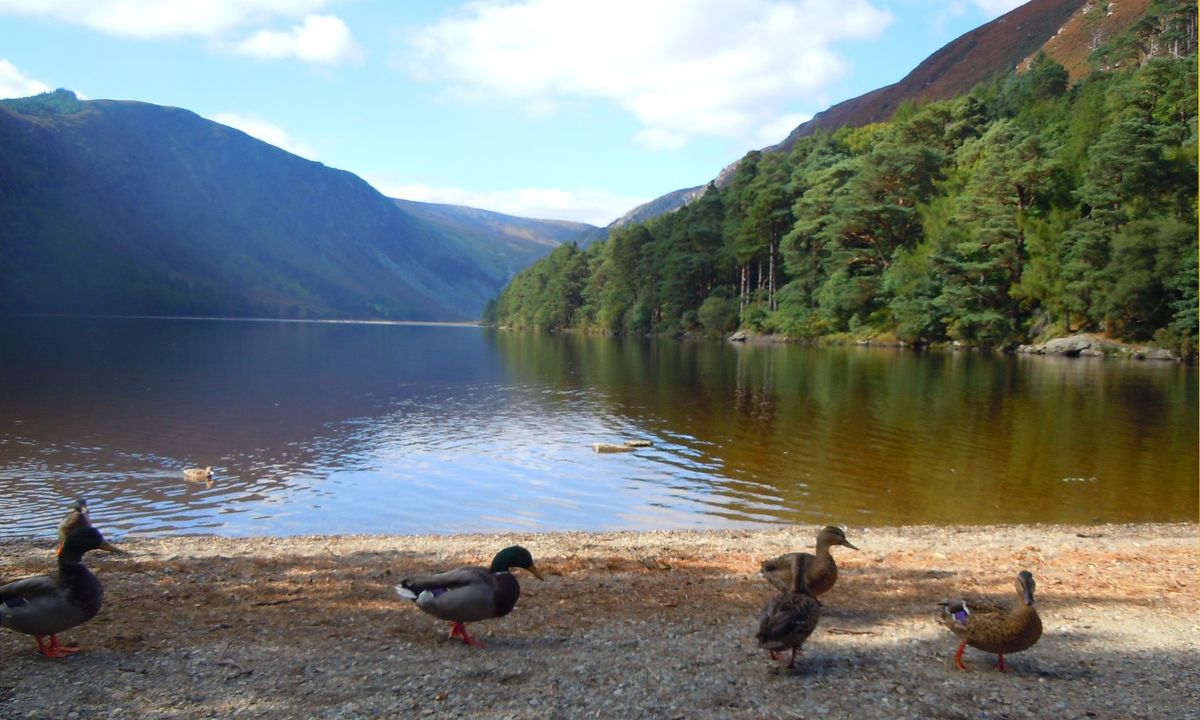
(390, 428)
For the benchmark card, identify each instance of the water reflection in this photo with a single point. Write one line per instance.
(383, 428)
(880, 436)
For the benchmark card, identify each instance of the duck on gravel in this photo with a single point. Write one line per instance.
(790, 617)
(820, 571)
(45, 605)
(470, 594)
(992, 625)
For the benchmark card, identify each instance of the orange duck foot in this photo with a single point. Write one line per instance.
(459, 630)
(52, 649)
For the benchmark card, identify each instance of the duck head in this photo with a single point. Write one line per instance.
(84, 539)
(515, 556)
(1025, 585)
(831, 535)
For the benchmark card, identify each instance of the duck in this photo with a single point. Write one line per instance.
(994, 626)
(198, 474)
(76, 517)
(820, 571)
(790, 617)
(46, 605)
(471, 594)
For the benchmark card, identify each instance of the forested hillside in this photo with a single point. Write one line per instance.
(1027, 208)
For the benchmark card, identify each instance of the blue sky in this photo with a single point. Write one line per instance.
(565, 109)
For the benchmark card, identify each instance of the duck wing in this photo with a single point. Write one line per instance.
(38, 605)
(466, 594)
(778, 570)
(29, 589)
(450, 580)
(965, 615)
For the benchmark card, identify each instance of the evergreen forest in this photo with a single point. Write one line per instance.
(1030, 208)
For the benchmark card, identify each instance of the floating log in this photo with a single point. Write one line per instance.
(611, 448)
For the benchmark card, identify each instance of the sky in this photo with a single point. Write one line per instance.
(559, 109)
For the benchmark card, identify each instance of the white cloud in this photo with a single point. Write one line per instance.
(14, 83)
(995, 8)
(267, 132)
(163, 18)
(773, 131)
(660, 139)
(683, 68)
(321, 38)
(597, 207)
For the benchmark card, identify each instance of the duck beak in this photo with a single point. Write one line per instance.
(106, 545)
(534, 571)
(847, 544)
(1027, 592)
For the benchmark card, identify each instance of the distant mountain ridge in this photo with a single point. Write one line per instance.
(131, 208)
(645, 211)
(503, 243)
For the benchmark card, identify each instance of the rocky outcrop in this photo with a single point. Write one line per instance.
(1091, 345)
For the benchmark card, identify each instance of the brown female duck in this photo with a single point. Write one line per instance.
(790, 617)
(204, 475)
(49, 604)
(820, 571)
(77, 517)
(994, 626)
(470, 594)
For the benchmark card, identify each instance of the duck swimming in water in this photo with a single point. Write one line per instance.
(45, 605)
(203, 475)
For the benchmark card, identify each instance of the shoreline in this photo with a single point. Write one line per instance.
(890, 531)
(626, 623)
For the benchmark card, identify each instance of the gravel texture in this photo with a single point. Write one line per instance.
(653, 625)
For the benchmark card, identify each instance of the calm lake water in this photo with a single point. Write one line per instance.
(380, 428)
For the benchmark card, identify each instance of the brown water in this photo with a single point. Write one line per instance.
(317, 428)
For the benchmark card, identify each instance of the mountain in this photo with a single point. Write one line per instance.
(502, 244)
(987, 51)
(130, 208)
(645, 211)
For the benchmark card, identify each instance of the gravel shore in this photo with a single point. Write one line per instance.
(654, 625)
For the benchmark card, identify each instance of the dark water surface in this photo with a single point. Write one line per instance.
(379, 428)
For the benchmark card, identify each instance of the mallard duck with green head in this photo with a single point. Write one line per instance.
(820, 571)
(992, 625)
(45, 605)
(471, 594)
(790, 617)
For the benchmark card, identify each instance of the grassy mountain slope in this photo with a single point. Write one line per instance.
(501, 244)
(131, 208)
(1090, 27)
(983, 53)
